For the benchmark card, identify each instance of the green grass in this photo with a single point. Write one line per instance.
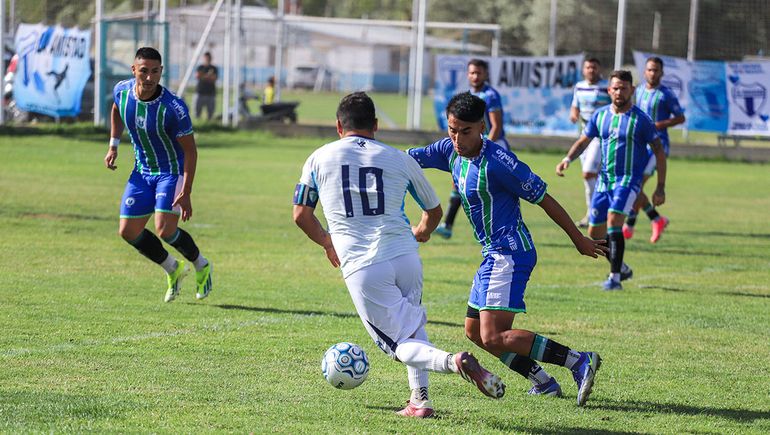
(88, 344)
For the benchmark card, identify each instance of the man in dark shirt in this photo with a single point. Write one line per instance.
(206, 90)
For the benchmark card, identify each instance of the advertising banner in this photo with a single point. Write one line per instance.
(536, 92)
(53, 69)
(747, 90)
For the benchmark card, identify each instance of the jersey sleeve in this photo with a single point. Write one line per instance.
(647, 130)
(494, 104)
(591, 129)
(182, 122)
(306, 191)
(435, 155)
(419, 187)
(518, 178)
(673, 104)
(574, 97)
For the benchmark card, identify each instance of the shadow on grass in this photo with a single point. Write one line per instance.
(748, 295)
(310, 313)
(737, 415)
(724, 234)
(660, 287)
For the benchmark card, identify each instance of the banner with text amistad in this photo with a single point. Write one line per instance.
(53, 69)
(699, 86)
(747, 90)
(536, 92)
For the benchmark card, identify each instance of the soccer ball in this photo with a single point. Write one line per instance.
(345, 366)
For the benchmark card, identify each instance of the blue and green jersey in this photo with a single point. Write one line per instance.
(661, 104)
(624, 138)
(490, 186)
(154, 128)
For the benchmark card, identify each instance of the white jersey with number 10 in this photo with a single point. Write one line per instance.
(362, 184)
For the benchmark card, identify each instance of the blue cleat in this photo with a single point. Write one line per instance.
(584, 374)
(443, 231)
(548, 389)
(611, 285)
(626, 272)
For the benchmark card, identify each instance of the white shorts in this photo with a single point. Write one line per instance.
(591, 158)
(388, 297)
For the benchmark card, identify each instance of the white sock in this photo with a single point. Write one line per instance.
(200, 262)
(418, 378)
(572, 359)
(169, 264)
(615, 277)
(590, 186)
(422, 355)
(539, 376)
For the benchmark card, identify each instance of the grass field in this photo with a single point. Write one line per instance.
(88, 344)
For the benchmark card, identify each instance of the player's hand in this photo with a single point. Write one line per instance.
(561, 167)
(183, 200)
(110, 158)
(420, 235)
(659, 197)
(573, 118)
(592, 248)
(331, 253)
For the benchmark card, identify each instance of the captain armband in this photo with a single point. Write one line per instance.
(114, 142)
(305, 195)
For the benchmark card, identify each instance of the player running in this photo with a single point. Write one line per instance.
(660, 102)
(478, 79)
(624, 131)
(361, 184)
(589, 94)
(161, 182)
(491, 180)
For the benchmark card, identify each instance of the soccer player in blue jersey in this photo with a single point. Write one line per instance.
(491, 181)
(478, 79)
(161, 182)
(625, 131)
(589, 94)
(660, 102)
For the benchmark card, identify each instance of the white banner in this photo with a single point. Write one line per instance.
(747, 91)
(53, 69)
(536, 92)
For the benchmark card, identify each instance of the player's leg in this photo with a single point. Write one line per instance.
(498, 335)
(621, 203)
(211, 101)
(445, 229)
(198, 104)
(657, 221)
(166, 226)
(591, 161)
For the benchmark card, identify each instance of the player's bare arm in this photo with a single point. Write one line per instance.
(585, 245)
(116, 130)
(574, 114)
(496, 127)
(659, 196)
(187, 143)
(574, 152)
(428, 223)
(304, 217)
(670, 122)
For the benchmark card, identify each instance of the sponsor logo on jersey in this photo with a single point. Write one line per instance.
(506, 158)
(180, 112)
(141, 121)
(130, 201)
(527, 185)
(160, 195)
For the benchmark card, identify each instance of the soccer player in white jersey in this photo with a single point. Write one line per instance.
(161, 182)
(492, 181)
(589, 94)
(361, 184)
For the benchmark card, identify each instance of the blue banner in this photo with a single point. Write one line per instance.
(53, 69)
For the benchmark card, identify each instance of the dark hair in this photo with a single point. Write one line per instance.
(623, 75)
(655, 59)
(479, 63)
(356, 112)
(148, 53)
(208, 53)
(593, 60)
(466, 107)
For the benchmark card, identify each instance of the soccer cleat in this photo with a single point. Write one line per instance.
(582, 223)
(443, 231)
(611, 284)
(658, 225)
(469, 368)
(423, 410)
(584, 375)
(626, 272)
(628, 231)
(548, 389)
(175, 280)
(203, 278)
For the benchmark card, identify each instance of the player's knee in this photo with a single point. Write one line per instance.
(474, 336)
(165, 231)
(492, 340)
(128, 234)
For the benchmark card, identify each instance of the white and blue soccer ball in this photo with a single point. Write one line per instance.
(345, 365)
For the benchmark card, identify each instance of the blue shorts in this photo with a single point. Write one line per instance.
(500, 282)
(619, 200)
(146, 194)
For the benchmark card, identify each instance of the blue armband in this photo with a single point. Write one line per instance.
(305, 195)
